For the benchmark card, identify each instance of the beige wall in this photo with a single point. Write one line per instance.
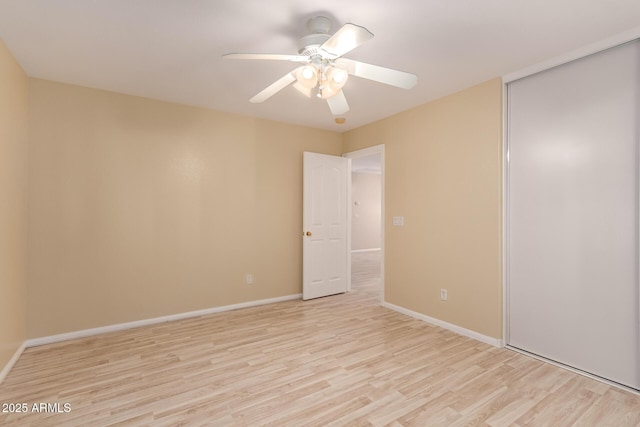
(140, 208)
(443, 174)
(13, 205)
(366, 192)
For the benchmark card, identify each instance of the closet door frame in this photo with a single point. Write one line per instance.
(611, 42)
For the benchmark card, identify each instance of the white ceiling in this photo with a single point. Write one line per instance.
(172, 49)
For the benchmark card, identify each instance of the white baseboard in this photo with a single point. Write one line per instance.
(355, 251)
(145, 322)
(450, 326)
(12, 361)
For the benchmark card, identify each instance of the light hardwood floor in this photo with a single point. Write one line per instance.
(340, 360)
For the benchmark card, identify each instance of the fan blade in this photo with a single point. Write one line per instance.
(379, 74)
(268, 56)
(338, 104)
(347, 38)
(273, 88)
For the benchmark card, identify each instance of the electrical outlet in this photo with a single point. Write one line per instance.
(398, 221)
(249, 279)
(443, 294)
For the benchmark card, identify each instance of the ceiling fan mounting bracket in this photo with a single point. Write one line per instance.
(319, 25)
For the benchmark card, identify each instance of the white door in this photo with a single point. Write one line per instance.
(573, 206)
(325, 255)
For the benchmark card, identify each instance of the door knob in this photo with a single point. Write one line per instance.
(308, 233)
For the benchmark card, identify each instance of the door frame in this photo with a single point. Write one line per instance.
(365, 152)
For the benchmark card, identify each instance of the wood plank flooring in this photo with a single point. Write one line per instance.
(340, 360)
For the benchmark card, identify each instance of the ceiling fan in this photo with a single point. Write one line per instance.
(324, 71)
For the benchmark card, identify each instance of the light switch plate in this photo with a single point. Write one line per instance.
(398, 221)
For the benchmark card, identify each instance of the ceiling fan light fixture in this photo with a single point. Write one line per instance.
(307, 76)
(328, 92)
(337, 77)
(308, 73)
(303, 90)
(333, 80)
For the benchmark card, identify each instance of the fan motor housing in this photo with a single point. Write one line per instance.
(319, 27)
(309, 43)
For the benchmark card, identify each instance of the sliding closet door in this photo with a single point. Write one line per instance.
(572, 214)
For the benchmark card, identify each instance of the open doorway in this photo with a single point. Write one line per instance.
(367, 225)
